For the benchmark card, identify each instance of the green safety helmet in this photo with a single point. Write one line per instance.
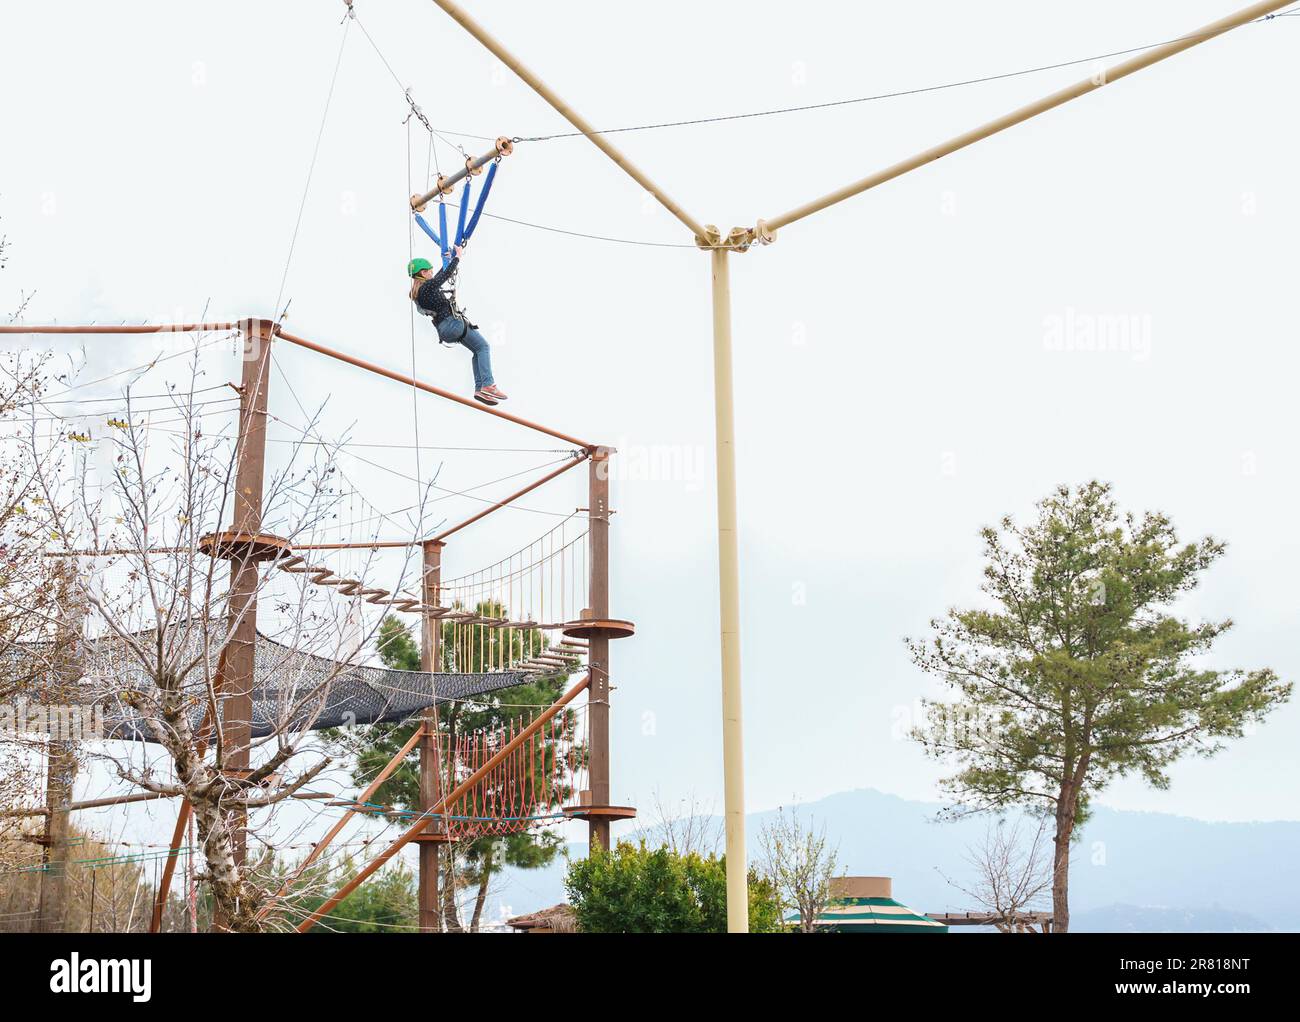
(418, 266)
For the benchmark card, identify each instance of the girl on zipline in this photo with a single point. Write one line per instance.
(434, 294)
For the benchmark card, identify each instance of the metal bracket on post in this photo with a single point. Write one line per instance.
(738, 239)
(712, 238)
(763, 234)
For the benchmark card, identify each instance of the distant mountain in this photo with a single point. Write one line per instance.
(1136, 919)
(1131, 872)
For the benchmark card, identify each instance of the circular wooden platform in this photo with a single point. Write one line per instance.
(241, 546)
(601, 812)
(595, 628)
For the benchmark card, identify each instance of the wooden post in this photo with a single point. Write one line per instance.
(430, 747)
(598, 646)
(60, 773)
(169, 867)
(237, 705)
(61, 761)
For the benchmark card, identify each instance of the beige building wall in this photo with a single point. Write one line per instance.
(862, 887)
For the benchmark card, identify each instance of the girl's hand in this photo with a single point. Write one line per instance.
(458, 250)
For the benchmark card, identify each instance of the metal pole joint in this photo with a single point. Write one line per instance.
(738, 239)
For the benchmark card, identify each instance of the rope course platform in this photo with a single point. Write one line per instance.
(540, 612)
(493, 628)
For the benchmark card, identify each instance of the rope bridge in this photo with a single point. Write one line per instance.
(548, 576)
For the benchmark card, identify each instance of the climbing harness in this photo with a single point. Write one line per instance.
(448, 291)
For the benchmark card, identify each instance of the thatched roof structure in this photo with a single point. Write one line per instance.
(556, 919)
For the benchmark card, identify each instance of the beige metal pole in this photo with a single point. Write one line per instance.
(728, 558)
(733, 749)
(1122, 70)
(565, 111)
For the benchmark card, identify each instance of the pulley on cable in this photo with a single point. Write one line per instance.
(467, 222)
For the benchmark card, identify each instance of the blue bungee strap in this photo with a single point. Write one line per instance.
(442, 229)
(464, 207)
(482, 200)
(424, 226)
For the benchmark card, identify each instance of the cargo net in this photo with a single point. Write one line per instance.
(529, 788)
(293, 691)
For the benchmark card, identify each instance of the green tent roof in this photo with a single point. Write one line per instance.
(872, 915)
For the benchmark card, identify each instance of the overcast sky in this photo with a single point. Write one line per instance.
(906, 363)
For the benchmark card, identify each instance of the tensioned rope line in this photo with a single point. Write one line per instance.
(311, 167)
(878, 96)
(579, 234)
(448, 494)
(441, 133)
(437, 447)
(415, 108)
(344, 444)
(143, 368)
(417, 113)
(775, 111)
(402, 475)
(415, 375)
(110, 414)
(589, 237)
(317, 435)
(143, 427)
(118, 397)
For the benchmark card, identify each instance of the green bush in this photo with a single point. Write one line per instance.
(635, 889)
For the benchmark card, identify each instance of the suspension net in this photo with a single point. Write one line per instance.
(293, 691)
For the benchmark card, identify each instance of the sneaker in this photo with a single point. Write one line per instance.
(496, 392)
(484, 396)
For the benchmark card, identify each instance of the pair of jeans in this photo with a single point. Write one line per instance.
(449, 332)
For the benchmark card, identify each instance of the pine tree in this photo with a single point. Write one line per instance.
(1079, 674)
